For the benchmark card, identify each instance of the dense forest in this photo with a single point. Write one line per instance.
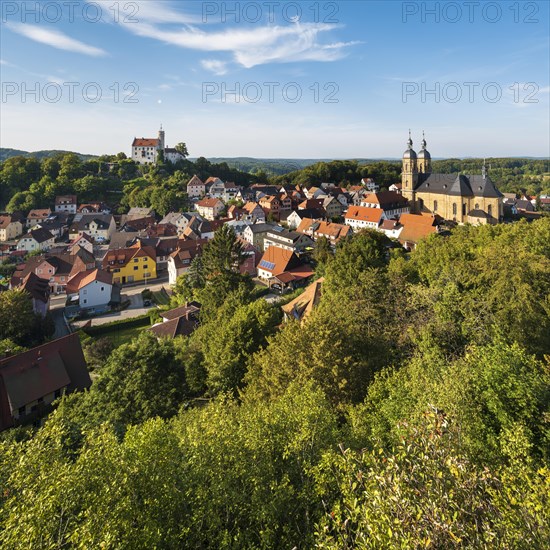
(27, 182)
(411, 409)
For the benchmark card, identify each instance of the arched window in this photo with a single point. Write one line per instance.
(490, 210)
(435, 206)
(464, 209)
(477, 206)
(454, 208)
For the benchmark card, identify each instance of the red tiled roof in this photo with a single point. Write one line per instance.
(208, 203)
(145, 142)
(364, 213)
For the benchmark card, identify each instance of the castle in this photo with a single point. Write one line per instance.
(456, 197)
(146, 150)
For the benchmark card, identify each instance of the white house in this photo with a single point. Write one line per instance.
(36, 239)
(90, 289)
(370, 184)
(145, 150)
(363, 217)
(196, 188)
(393, 204)
(209, 208)
(66, 203)
(99, 227)
(10, 227)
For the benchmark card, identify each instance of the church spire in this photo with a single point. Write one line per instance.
(410, 141)
(423, 142)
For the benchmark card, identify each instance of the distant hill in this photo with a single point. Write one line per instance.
(6, 153)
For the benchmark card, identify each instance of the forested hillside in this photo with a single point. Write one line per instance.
(410, 410)
(29, 182)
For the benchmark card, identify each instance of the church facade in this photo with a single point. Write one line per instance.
(455, 197)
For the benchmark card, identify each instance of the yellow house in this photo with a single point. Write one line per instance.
(131, 265)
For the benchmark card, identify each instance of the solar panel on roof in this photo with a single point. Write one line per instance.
(266, 264)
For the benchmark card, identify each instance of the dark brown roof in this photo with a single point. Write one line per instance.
(33, 374)
(187, 310)
(37, 287)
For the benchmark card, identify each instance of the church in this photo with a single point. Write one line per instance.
(456, 197)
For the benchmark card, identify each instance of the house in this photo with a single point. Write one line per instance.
(181, 321)
(94, 208)
(37, 215)
(83, 241)
(39, 290)
(196, 188)
(416, 227)
(32, 380)
(363, 217)
(99, 227)
(314, 192)
(225, 191)
(370, 185)
(311, 203)
(239, 226)
(254, 212)
(391, 228)
(302, 306)
(209, 208)
(56, 268)
(289, 240)
(295, 218)
(138, 224)
(395, 187)
(180, 260)
(36, 239)
(172, 155)
(66, 203)
(137, 212)
(55, 226)
(256, 233)
(393, 204)
(334, 232)
(252, 257)
(333, 207)
(282, 269)
(90, 289)
(133, 264)
(11, 227)
(179, 219)
(271, 205)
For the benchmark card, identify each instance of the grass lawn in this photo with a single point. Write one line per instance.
(161, 298)
(121, 335)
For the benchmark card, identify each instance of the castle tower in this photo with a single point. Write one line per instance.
(161, 144)
(424, 163)
(409, 174)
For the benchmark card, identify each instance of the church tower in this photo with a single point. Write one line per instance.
(409, 174)
(424, 164)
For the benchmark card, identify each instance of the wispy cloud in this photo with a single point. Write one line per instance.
(215, 65)
(248, 46)
(55, 39)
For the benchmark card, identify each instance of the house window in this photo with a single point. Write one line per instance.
(136, 267)
(477, 206)
(85, 301)
(136, 260)
(102, 289)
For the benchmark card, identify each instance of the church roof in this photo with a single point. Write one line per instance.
(458, 185)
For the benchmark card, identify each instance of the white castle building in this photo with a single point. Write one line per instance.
(146, 150)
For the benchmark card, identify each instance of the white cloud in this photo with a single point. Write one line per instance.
(251, 46)
(215, 65)
(55, 39)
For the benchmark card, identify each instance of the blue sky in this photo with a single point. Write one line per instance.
(282, 79)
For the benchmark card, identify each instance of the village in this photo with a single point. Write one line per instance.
(107, 273)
